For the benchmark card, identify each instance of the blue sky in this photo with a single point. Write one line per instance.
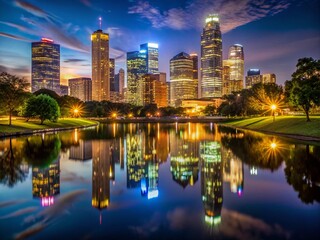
(274, 33)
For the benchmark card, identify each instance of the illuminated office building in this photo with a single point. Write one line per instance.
(45, 72)
(152, 55)
(211, 59)
(101, 154)
(254, 77)
(136, 68)
(233, 70)
(211, 181)
(64, 90)
(154, 91)
(81, 88)
(112, 74)
(182, 82)
(194, 58)
(119, 85)
(46, 182)
(100, 66)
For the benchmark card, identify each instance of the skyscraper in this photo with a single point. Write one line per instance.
(112, 73)
(81, 88)
(154, 89)
(182, 83)
(136, 68)
(194, 58)
(100, 66)
(233, 70)
(45, 71)
(211, 59)
(152, 55)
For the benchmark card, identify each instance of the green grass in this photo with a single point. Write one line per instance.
(20, 125)
(283, 124)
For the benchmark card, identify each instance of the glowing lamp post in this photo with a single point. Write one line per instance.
(273, 109)
(75, 112)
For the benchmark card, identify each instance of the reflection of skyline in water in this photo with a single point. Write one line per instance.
(136, 152)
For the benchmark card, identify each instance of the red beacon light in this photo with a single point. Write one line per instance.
(47, 40)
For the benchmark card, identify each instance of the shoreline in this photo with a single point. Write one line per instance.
(287, 135)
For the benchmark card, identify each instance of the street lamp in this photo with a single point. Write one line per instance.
(75, 112)
(273, 108)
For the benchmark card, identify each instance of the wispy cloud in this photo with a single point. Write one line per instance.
(232, 13)
(8, 35)
(73, 60)
(34, 10)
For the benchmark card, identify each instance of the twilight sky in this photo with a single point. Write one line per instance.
(274, 33)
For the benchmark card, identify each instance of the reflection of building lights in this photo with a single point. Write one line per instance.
(253, 171)
(143, 186)
(153, 194)
(239, 191)
(212, 220)
(47, 201)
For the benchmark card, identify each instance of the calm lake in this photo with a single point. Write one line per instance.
(159, 181)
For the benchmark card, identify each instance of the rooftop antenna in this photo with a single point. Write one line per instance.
(100, 22)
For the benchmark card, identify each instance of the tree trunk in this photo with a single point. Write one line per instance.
(308, 118)
(42, 120)
(10, 115)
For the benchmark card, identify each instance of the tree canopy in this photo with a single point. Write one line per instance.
(303, 90)
(12, 92)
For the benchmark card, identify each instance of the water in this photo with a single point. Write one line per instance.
(159, 181)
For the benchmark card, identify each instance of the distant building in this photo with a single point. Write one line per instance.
(81, 88)
(112, 75)
(182, 83)
(64, 90)
(45, 72)
(254, 77)
(117, 95)
(233, 70)
(152, 55)
(100, 66)
(154, 89)
(194, 58)
(211, 59)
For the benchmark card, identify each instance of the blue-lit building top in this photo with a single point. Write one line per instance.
(152, 56)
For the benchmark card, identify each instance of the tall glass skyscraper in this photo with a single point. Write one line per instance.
(136, 68)
(152, 55)
(182, 83)
(211, 59)
(233, 70)
(45, 65)
(100, 66)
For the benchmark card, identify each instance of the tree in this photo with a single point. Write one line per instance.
(30, 108)
(209, 110)
(303, 90)
(12, 92)
(45, 108)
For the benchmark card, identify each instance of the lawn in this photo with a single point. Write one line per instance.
(20, 125)
(283, 124)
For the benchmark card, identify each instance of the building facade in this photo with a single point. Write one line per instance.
(154, 90)
(45, 72)
(81, 88)
(100, 66)
(253, 77)
(182, 82)
(233, 70)
(152, 56)
(211, 59)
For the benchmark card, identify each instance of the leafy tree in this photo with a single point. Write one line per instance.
(209, 110)
(45, 108)
(12, 92)
(262, 96)
(30, 108)
(303, 90)
(48, 92)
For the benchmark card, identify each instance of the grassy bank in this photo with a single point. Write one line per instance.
(294, 125)
(21, 125)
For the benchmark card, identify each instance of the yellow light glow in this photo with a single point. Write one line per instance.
(273, 107)
(273, 145)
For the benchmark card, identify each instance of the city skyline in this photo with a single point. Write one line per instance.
(264, 40)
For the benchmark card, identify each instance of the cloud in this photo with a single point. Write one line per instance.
(8, 35)
(33, 9)
(73, 60)
(232, 13)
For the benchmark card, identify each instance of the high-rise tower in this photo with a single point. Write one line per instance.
(100, 66)
(152, 55)
(45, 65)
(233, 70)
(211, 59)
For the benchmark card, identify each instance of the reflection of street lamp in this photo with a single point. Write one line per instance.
(273, 108)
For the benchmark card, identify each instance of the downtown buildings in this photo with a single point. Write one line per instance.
(81, 88)
(254, 77)
(45, 69)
